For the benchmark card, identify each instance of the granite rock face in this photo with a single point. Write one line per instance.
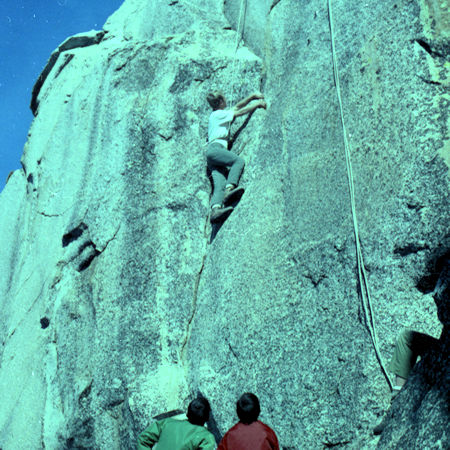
(119, 300)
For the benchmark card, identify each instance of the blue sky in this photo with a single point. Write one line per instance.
(31, 30)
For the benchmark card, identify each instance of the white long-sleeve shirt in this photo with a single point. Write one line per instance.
(219, 125)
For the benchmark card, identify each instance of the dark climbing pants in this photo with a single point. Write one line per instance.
(219, 160)
(410, 345)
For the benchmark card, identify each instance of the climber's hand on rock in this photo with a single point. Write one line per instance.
(262, 104)
(257, 95)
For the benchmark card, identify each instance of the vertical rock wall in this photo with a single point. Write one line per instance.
(119, 301)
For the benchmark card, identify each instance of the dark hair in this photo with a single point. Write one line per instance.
(247, 408)
(198, 411)
(214, 99)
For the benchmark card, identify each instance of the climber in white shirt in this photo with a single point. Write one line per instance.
(226, 167)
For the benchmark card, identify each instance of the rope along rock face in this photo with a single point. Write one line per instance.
(363, 282)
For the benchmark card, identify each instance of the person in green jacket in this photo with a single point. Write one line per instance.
(175, 434)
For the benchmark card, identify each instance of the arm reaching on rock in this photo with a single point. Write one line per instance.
(249, 108)
(247, 100)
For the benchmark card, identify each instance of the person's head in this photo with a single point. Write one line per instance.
(247, 408)
(198, 411)
(216, 100)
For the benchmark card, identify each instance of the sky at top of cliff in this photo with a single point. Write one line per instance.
(31, 30)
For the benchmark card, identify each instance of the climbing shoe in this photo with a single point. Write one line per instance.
(219, 214)
(232, 194)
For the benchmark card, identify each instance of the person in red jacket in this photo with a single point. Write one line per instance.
(249, 433)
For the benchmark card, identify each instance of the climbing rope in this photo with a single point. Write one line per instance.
(363, 281)
(239, 32)
(242, 11)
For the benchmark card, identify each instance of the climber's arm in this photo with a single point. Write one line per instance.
(249, 108)
(149, 436)
(247, 100)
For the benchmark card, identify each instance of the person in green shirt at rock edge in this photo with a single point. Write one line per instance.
(409, 347)
(411, 344)
(175, 434)
(218, 157)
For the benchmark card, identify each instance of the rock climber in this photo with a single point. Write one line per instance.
(175, 434)
(409, 347)
(249, 433)
(411, 344)
(218, 157)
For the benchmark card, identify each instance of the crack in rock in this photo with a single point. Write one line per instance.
(67, 58)
(410, 249)
(232, 350)
(195, 295)
(85, 393)
(194, 308)
(335, 444)
(45, 214)
(26, 313)
(207, 77)
(427, 47)
(316, 279)
(435, 83)
(274, 3)
(110, 240)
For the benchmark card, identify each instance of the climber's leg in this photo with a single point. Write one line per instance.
(237, 166)
(410, 345)
(218, 156)
(219, 159)
(218, 211)
(219, 181)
